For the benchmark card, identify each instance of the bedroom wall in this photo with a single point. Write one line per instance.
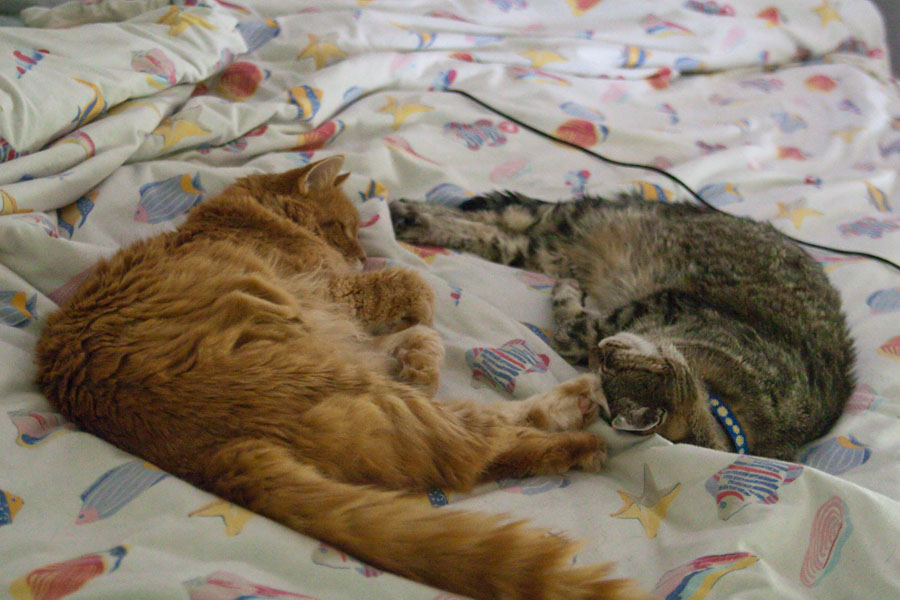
(891, 11)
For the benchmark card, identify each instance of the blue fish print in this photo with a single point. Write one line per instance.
(869, 226)
(883, 301)
(443, 80)
(749, 479)
(10, 504)
(576, 182)
(164, 200)
(763, 84)
(116, 488)
(694, 579)
(7, 152)
(788, 122)
(501, 366)
(27, 58)
(582, 112)
(257, 34)
(686, 64)
(374, 191)
(352, 94)
(477, 134)
(720, 194)
(307, 100)
(537, 331)
(17, 309)
(448, 194)
(37, 426)
(74, 215)
(836, 455)
(507, 5)
(633, 56)
(890, 148)
(455, 294)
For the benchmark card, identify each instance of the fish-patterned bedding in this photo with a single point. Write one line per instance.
(116, 117)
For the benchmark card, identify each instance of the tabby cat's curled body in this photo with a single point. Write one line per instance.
(240, 353)
(671, 305)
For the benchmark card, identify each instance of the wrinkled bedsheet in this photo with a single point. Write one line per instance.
(116, 117)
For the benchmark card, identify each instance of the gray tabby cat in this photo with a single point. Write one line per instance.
(705, 328)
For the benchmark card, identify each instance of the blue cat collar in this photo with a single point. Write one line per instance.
(729, 422)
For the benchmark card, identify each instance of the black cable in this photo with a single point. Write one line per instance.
(620, 163)
(662, 172)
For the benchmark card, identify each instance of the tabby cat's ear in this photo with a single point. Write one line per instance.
(321, 175)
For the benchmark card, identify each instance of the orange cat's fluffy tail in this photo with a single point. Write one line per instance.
(477, 555)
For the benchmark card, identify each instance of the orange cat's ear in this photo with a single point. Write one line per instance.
(321, 175)
(340, 179)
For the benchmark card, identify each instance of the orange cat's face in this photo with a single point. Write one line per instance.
(337, 220)
(312, 197)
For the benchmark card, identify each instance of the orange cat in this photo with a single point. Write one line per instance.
(240, 353)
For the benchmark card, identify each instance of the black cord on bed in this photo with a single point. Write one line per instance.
(662, 172)
(619, 163)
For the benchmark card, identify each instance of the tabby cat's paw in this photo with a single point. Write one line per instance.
(411, 222)
(568, 299)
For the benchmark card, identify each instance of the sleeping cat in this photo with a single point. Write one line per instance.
(705, 328)
(239, 352)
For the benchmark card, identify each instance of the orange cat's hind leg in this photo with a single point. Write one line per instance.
(536, 452)
(540, 435)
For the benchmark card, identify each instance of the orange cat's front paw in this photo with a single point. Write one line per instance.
(580, 450)
(569, 406)
(418, 301)
(419, 352)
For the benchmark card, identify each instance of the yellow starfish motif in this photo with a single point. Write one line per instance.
(400, 111)
(539, 58)
(174, 130)
(795, 212)
(133, 105)
(323, 53)
(651, 507)
(235, 517)
(827, 13)
(847, 134)
(178, 21)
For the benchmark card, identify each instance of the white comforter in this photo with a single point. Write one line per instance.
(116, 117)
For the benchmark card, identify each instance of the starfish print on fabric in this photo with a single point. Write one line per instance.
(178, 21)
(235, 517)
(651, 507)
(539, 58)
(176, 128)
(796, 212)
(401, 111)
(827, 13)
(324, 53)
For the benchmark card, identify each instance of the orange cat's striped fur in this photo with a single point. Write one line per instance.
(240, 352)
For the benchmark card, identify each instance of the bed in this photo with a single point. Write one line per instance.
(116, 117)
